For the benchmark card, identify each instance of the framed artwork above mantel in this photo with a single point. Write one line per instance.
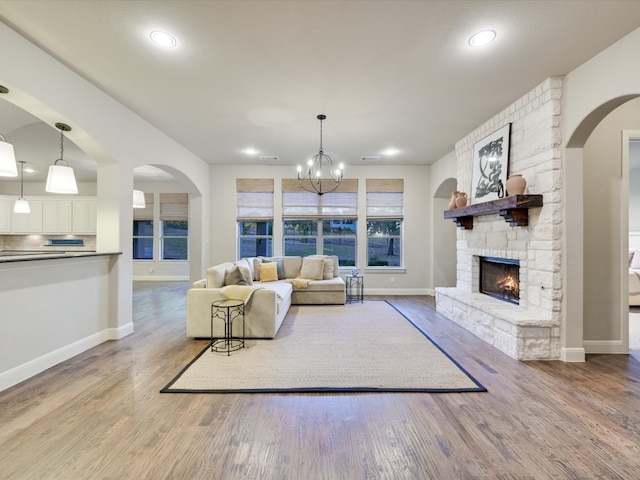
(490, 166)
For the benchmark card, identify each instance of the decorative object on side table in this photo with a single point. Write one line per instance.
(490, 166)
(516, 185)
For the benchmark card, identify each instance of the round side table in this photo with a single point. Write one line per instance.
(227, 311)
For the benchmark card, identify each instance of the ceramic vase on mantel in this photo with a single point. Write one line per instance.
(452, 200)
(461, 199)
(516, 185)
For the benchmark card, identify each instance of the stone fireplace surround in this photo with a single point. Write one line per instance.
(530, 330)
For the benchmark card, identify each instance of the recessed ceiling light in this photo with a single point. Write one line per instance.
(163, 39)
(390, 152)
(482, 38)
(250, 151)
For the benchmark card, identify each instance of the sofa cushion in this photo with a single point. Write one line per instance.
(243, 265)
(235, 277)
(279, 266)
(268, 272)
(335, 265)
(312, 268)
(292, 265)
(215, 274)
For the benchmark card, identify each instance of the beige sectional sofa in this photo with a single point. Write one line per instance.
(267, 298)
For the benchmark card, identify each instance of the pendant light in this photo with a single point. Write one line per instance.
(138, 199)
(21, 205)
(317, 178)
(8, 166)
(61, 178)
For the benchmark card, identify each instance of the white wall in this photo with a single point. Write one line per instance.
(591, 91)
(604, 221)
(416, 279)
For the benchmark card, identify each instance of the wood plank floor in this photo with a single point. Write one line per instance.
(100, 416)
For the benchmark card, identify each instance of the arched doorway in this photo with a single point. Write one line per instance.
(443, 237)
(596, 239)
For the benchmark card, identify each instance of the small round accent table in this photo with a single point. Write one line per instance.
(355, 288)
(228, 311)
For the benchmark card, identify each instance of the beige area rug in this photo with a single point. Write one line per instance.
(367, 347)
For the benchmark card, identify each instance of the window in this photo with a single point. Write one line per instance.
(174, 226)
(320, 224)
(254, 203)
(384, 223)
(175, 239)
(143, 230)
(143, 239)
(255, 238)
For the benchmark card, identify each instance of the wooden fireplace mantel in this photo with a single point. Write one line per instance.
(514, 209)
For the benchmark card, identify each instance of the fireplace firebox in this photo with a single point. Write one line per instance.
(500, 278)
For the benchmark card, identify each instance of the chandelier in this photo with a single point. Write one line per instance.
(320, 176)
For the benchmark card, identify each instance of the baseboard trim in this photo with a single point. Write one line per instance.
(38, 365)
(398, 291)
(572, 355)
(161, 278)
(605, 347)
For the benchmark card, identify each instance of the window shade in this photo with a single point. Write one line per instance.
(298, 203)
(174, 206)
(254, 198)
(145, 213)
(385, 198)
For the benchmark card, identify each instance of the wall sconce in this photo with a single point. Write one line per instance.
(138, 199)
(61, 178)
(21, 205)
(8, 166)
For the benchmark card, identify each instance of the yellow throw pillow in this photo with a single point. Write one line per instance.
(268, 271)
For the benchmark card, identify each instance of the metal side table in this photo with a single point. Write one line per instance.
(228, 311)
(355, 288)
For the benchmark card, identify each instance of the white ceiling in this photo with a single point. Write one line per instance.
(256, 73)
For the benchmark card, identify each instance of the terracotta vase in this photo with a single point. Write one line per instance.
(461, 199)
(516, 185)
(452, 200)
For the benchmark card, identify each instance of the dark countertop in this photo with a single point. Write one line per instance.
(28, 255)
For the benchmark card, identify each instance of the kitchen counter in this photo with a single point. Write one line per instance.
(28, 255)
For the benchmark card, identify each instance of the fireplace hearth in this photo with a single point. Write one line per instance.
(500, 278)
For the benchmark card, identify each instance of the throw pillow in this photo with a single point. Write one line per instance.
(268, 272)
(327, 271)
(246, 272)
(312, 268)
(279, 265)
(635, 261)
(256, 268)
(235, 277)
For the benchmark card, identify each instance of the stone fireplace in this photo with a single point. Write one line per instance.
(521, 318)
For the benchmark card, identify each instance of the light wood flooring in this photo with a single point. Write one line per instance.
(100, 416)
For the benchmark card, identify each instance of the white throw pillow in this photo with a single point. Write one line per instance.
(312, 268)
(635, 261)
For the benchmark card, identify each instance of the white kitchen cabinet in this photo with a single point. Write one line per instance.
(84, 216)
(28, 222)
(57, 216)
(5, 215)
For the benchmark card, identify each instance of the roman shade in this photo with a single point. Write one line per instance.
(254, 198)
(145, 213)
(385, 198)
(174, 206)
(299, 203)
